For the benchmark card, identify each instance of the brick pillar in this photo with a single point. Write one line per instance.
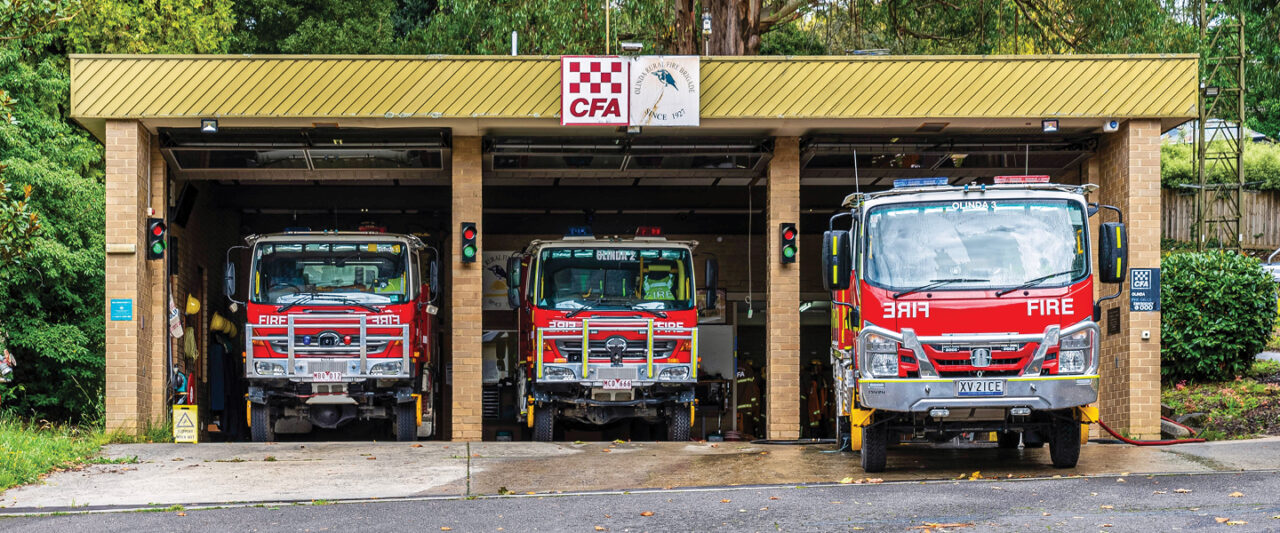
(782, 330)
(132, 346)
(159, 303)
(1128, 174)
(465, 295)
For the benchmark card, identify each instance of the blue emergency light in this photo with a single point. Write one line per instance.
(578, 231)
(919, 182)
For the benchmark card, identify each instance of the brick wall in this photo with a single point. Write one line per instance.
(465, 294)
(782, 333)
(1128, 171)
(131, 346)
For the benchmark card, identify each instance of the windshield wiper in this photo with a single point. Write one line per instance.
(654, 312)
(338, 297)
(935, 283)
(1033, 282)
(585, 307)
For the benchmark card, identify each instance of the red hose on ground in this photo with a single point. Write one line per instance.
(1128, 440)
(1179, 424)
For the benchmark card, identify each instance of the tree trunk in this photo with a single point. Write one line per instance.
(736, 25)
(688, 29)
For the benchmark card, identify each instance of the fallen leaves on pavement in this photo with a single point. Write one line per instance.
(938, 525)
(1182, 491)
(1236, 494)
(646, 513)
(726, 500)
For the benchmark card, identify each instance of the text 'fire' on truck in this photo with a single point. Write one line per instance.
(341, 327)
(632, 304)
(969, 310)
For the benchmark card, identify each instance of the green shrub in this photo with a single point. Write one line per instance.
(1218, 309)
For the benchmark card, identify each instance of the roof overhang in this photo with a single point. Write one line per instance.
(769, 94)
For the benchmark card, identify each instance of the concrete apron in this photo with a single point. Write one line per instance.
(211, 474)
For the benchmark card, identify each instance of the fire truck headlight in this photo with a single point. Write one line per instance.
(1073, 352)
(390, 368)
(882, 355)
(558, 373)
(1070, 361)
(678, 373)
(266, 368)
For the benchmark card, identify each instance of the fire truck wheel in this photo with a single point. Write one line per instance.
(678, 424)
(263, 427)
(875, 446)
(1064, 443)
(1009, 440)
(544, 423)
(405, 427)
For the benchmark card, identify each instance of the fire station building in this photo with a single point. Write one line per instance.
(721, 150)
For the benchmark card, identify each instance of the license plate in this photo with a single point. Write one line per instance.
(326, 376)
(614, 384)
(980, 387)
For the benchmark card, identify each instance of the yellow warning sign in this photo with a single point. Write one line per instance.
(185, 427)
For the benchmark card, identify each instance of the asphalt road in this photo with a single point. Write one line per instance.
(1237, 501)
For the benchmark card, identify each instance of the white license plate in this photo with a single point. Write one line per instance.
(615, 384)
(326, 377)
(980, 387)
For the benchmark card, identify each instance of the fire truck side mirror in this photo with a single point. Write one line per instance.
(513, 271)
(1113, 252)
(434, 279)
(837, 260)
(712, 277)
(229, 281)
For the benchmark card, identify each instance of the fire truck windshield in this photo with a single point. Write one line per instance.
(615, 278)
(978, 244)
(330, 273)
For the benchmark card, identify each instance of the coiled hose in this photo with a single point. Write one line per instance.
(1128, 440)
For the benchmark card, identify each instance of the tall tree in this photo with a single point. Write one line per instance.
(737, 26)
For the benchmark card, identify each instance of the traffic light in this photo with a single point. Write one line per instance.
(157, 238)
(789, 247)
(469, 248)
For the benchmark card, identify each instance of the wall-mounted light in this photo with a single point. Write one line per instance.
(806, 305)
(1049, 125)
(208, 125)
(1212, 91)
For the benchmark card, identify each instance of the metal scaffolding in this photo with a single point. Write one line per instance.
(1220, 130)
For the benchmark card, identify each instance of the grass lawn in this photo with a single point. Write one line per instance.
(1247, 407)
(28, 451)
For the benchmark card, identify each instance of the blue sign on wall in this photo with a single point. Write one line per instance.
(1144, 289)
(122, 309)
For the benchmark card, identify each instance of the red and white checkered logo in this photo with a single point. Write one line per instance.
(593, 90)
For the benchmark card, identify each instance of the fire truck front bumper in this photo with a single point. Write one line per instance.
(923, 395)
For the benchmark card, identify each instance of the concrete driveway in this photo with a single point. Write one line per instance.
(212, 474)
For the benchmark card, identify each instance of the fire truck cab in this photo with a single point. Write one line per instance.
(969, 310)
(340, 327)
(632, 303)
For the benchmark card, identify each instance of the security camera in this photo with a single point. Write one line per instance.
(631, 47)
(1111, 125)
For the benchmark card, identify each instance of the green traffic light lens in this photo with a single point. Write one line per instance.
(789, 251)
(157, 247)
(469, 251)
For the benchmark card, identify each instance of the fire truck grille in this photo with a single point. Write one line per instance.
(615, 373)
(327, 365)
(635, 350)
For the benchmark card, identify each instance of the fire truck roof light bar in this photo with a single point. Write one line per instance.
(854, 199)
(919, 182)
(1021, 179)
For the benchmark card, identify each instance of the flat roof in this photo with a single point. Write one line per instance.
(765, 89)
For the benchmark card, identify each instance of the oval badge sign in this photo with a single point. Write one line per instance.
(665, 91)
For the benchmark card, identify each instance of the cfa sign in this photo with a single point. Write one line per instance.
(593, 91)
(638, 91)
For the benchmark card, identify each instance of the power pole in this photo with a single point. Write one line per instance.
(1220, 132)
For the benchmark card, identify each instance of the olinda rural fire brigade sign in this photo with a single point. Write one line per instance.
(638, 91)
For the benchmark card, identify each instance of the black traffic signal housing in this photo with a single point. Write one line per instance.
(468, 247)
(789, 249)
(157, 238)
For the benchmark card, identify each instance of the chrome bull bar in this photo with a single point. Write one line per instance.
(612, 325)
(1052, 333)
(329, 321)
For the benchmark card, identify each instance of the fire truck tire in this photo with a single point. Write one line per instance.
(678, 424)
(1064, 444)
(875, 447)
(1009, 440)
(404, 426)
(544, 423)
(262, 426)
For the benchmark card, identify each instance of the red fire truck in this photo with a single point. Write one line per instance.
(341, 327)
(969, 310)
(632, 303)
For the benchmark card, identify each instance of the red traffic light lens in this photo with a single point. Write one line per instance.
(789, 234)
(157, 230)
(469, 233)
